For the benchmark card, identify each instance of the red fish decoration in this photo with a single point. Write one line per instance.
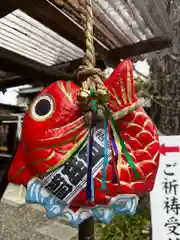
(54, 127)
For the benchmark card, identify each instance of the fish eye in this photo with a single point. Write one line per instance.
(42, 108)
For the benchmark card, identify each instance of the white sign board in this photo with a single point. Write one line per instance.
(165, 197)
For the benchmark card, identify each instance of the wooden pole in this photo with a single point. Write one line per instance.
(86, 230)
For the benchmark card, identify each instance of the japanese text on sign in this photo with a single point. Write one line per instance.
(71, 178)
(171, 204)
(165, 198)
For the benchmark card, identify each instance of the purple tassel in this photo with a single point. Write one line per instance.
(114, 180)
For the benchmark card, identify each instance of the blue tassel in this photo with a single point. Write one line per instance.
(90, 182)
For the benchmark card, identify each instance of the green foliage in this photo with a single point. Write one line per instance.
(124, 227)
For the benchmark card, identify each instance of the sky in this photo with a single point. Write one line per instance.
(10, 97)
(143, 67)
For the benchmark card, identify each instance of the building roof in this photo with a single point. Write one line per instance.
(50, 32)
(22, 34)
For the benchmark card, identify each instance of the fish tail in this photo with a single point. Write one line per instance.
(18, 172)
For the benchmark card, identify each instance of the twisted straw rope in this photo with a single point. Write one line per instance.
(90, 77)
(87, 18)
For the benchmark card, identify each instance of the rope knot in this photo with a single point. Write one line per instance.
(92, 89)
(91, 78)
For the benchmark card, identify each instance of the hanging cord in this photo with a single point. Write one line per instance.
(91, 78)
(93, 99)
(92, 95)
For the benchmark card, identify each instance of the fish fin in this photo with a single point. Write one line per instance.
(18, 172)
(121, 86)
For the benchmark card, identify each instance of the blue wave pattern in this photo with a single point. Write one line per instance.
(123, 204)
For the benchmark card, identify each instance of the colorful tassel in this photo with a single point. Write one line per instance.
(104, 173)
(116, 164)
(90, 180)
(124, 149)
(115, 160)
